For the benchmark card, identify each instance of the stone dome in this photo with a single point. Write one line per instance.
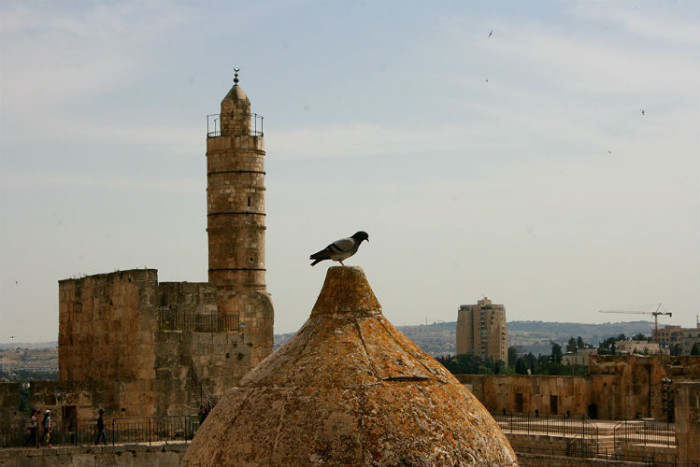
(349, 389)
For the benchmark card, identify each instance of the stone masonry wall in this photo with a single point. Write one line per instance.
(79, 400)
(688, 421)
(107, 325)
(196, 369)
(152, 349)
(236, 205)
(167, 455)
(9, 400)
(617, 387)
(523, 393)
(196, 359)
(236, 233)
(625, 387)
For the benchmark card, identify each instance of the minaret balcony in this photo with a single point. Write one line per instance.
(234, 124)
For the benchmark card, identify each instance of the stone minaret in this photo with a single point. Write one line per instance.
(236, 222)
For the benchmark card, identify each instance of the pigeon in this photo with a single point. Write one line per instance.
(340, 249)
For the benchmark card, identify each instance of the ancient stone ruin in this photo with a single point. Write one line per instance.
(349, 389)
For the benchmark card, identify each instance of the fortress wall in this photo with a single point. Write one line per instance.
(617, 387)
(168, 455)
(688, 420)
(524, 393)
(107, 325)
(197, 356)
(9, 399)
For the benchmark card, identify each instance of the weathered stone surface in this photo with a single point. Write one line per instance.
(616, 387)
(9, 397)
(688, 421)
(236, 227)
(349, 389)
(167, 455)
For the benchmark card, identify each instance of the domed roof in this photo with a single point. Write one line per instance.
(349, 389)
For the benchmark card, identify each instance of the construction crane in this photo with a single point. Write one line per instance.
(655, 313)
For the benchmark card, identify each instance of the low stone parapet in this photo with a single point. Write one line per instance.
(163, 455)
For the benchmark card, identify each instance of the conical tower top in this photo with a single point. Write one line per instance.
(235, 110)
(236, 96)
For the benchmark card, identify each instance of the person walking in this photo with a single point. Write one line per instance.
(46, 425)
(101, 434)
(33, 428)
(202, 414)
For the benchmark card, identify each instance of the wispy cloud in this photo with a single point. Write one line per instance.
(365, 139)
(677, 23)
(57, 55)
(101, 180)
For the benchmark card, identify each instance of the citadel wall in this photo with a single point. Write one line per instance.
(627, 387)
(617, 387)
(107, 327)
(688, 421)
(137, 348)
(9, 400)
(69, 401)
(523, 393)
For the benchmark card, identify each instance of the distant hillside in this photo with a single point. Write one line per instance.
(536, 336)
(439, 338)
(533, 336)
(28, 345)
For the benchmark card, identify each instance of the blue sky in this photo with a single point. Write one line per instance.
(517, 166)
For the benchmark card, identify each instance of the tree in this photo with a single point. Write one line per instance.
(532, 362)
(640, 337)
(465, 364)
(512, 356)
(556, 352)
(607, 347)
(695, 350)
(521, 366)
(677, 350)
(488, 367)
(580, 344)
(572, 345)
(500, 367)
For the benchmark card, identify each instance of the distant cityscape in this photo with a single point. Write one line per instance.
(437, 339)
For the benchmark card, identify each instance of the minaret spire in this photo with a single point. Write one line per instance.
(235, 76)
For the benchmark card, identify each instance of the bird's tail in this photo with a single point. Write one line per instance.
(316, 262)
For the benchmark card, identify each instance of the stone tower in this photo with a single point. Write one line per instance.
(236, 221)
(349, 389)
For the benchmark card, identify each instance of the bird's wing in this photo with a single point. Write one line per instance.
(342, 245)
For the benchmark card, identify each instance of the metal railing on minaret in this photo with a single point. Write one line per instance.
(254, 127)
